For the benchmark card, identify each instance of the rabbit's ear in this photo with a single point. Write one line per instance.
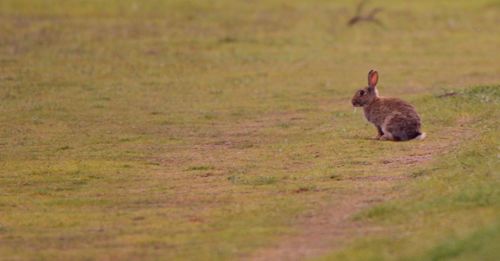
(372, 78)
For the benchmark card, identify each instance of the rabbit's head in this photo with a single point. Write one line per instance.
(366, 95)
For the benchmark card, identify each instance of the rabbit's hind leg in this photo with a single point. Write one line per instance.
(385, 133)
(386, 136)
(393, 127)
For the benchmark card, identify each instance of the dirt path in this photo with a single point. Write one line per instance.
(330, 226)
(322, 230)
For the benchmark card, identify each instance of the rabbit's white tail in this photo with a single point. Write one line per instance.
(421, 136)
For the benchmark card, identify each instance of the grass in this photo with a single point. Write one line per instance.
(450, 210)
(201, 130)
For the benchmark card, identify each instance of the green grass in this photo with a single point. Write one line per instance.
(451, 209)
(201, 129)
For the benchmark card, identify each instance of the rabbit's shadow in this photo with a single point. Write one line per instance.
(356, 137)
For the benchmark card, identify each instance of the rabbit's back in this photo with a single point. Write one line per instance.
(395, 116)
(382, 108)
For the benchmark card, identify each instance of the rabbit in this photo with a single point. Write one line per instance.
(394, 119)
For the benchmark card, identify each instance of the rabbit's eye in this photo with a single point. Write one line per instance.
(361, 93)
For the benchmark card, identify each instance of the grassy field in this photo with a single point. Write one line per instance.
(214, 130)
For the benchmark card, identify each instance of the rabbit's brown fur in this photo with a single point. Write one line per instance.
(394, 119)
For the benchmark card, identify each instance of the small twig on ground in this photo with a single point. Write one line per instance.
(447, 94)
(359, 17)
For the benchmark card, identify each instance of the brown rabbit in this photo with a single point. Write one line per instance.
(395, 119)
